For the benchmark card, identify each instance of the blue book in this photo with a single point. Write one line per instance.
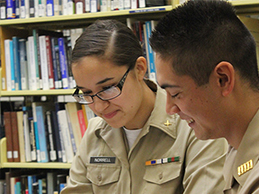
(10, 9)
(63, 63)
(36, 134)
(30, 181)
(50, 8)
(150, 53)
(17, 188)
(42, 134)
(56, 63)
(12, 66)
(17, 65)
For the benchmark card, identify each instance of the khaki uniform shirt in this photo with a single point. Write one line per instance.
(241, 170)
(105, 165)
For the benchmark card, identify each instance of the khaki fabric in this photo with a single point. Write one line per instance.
(248, 181)
(199, 170)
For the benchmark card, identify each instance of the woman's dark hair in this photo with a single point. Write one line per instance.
(108, 39)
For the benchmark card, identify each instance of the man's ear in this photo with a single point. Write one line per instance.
(225, 75)
(141, 67)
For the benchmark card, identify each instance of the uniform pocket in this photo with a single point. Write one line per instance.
(103, 174)
(162, 173)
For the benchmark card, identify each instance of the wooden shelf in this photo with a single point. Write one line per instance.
(37, 92)
(76, 19)
(49, 165)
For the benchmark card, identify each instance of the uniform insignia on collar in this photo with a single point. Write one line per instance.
(167, 123)
(162, 161)
(245, 167)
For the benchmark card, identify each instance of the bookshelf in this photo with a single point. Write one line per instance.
(5, 164)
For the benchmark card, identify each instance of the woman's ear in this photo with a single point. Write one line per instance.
(141, 67)
(225, 76)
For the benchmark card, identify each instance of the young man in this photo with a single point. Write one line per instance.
(206, 61)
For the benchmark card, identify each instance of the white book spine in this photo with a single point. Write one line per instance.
(26, 138)
(32, 64)
(8, 65)
(63, 124)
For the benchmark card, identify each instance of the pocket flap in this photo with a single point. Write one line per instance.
(162, 173)
(103, 174)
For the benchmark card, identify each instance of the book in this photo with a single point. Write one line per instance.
(56, 63)
(22, 10)
(15, 138)
(44, 63)
(35, 33)
(17, 8)
(71, 132)
(21, 135)
(50, 63)
(42, 8)
(10, 9)
(150, 54)
(32, 8)
(63, 63)
(89, 113)
(72, 108)
(33, 79)
(70, 7)
(82, 122)
(12, 66)
(7, 65)
(80, 6)
(93, 6)
(8, 135)
(51, 182)
(3, 9)
(40, 114)
(61, 154)
(34, 126)
(68, 47)
(63, 124)
(17, 65)
(26, 131)
(23, 64)
(50, 136)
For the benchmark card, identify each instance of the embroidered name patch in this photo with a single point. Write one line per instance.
(102, 160)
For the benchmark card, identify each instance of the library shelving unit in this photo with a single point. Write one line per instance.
(9, 28)
(22, 27)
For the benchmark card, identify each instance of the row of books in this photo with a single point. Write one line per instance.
(39, 61)
(143, 29)
(11, 9)
(33, 182)
(43, 132)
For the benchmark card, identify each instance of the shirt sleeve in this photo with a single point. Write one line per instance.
(204, 166)
(77, 181)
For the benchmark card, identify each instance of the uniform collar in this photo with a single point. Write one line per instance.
(247, 151)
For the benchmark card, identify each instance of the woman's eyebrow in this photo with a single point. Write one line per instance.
(104, 80)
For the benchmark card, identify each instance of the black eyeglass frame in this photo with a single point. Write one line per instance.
(77, 96)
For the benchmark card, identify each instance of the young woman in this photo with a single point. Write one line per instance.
(133, 146)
